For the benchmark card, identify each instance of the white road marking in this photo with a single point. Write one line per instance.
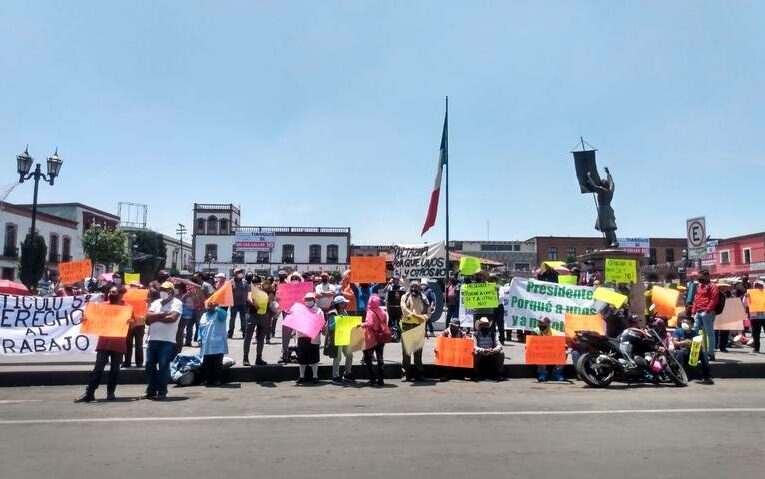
(261, 417)
(17, 401)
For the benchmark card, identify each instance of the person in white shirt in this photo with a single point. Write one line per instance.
(325, 293)
(162, 320)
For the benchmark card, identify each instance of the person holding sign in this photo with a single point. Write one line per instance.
(339, 304)
(162, 319)
(108, 350)
(682, 340)
(704, 306)
(308, 348)
(488, 350)
(543, 329)
(213, 343)
(414, 312)
(756, 318)
(453, 331)
(376, 325)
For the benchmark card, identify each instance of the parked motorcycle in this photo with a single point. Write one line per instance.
(606, 362)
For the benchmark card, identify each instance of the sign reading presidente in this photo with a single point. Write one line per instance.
(420, 260)
(37, 325)
(529, 300)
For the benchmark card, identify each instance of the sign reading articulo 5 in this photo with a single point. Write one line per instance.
(420, 260)
(528, 300)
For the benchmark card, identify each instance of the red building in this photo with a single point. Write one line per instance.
(739, 255)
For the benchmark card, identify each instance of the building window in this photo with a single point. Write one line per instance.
(53, 248)
(211, 252)
(516, 247)
(522, 267)
(652, 258)
(332, 253)
(66, 249)
(747, 256)
(237, 257)
(201, 226)
(8, 273)
(724, 257)
(552, 253)
(571, 252)
(314, 253)
(263, 257)
(670, 252)
(223, 226)
(212, 225)
(288, 253)
(10, 249)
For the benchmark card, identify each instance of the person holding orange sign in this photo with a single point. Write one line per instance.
(108, 350)
(543, 373)
(757, 318)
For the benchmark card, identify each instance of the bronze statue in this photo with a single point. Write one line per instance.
(606, 222)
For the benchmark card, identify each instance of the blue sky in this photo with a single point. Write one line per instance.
(330, 113)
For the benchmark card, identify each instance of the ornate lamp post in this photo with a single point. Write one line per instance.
(24, 165)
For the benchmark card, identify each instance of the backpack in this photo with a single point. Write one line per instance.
(720, 302)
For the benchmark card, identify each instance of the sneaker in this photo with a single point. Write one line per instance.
(349, 378)
(542, 377)
(500, 379)
(372, 382)
(160, 397)
(380, 382)
(559, 377)
(337, 380)
(87, 397)
(110, 397)
(260, 362)
(299, 381)
(707, 381)
(712, 357)
(315, 380)
(246, 362)
(125, 365)
(148, 396)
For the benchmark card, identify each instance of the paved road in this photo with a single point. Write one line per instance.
(458, 429)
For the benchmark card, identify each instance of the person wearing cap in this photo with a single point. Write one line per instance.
(162, 320)
(454, 330)
(241, 290)
(154, 286)
(487, 350)
(338, 309)
(219, 280)
(308, 348)
(543, 372)
(757, 319)
(414, 312)
(325, 292)
(213, 343)
(257, 323)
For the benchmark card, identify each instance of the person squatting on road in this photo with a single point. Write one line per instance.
(543, 372)
(213, 343)
(488, 350)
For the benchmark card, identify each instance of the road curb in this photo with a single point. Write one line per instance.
(279, 373)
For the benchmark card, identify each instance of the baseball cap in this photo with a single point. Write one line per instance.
(167, 285)
(340, 299)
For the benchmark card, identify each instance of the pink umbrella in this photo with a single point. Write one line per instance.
(12, 287)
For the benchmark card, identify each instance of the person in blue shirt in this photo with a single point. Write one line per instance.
(213, 343)
(682, 339)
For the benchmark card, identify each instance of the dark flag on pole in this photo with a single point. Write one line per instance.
(585, 162)
(443, 156)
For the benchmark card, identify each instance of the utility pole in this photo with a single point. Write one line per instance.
(181, 231)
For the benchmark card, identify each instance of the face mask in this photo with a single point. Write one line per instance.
(239, 276)
(686, 327)
(163, 295)
(117, 281)
(454, 329)
(310, 304)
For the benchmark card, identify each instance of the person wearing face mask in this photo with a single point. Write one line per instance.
(453, 331)
(257, 324)
(377, 334)
(154, 286)
(213, 343)
(308, 348)
(487, 350)
(325, 292)
(543, 372)
(337, 352)
(241, 291)
(286, 330)
(108, 350)
(162, 319)
(704, 305)
(682, 340)
(414, 312)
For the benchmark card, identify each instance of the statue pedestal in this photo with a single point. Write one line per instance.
(637, 290)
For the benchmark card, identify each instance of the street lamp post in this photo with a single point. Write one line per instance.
(24, 165)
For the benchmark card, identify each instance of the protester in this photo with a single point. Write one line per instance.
(134, 342)
(286, 330)
(430, 295)
(378, 332)
(414, 312)
(757, 320)
(346, 289)
(333, 351)
(499, 312)
(154, 286)
(241, 290)
(325, 292)
(454, 330)
(108, 350)
(363, 292)
(257, 323)
(682, 340)
(308, 348)
(393, 295)
(543, 372)
(548, 274)
(219, 281)
(162, 319)
(703, 309)
(213, 343)
(487, 350)
(452, 299)
(186, 324)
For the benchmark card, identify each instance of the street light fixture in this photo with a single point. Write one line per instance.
(24, 166)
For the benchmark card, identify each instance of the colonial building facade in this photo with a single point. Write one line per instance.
(220, 243)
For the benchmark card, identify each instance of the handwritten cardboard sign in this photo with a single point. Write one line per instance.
(291, 293)
(224, 296)
(546, 350)
(343, 327)
(454, 352)
(584, 322)
(74, 271)
(104, 319)
(368, 269)
(479, 295)
(621, 270)
(304, 320)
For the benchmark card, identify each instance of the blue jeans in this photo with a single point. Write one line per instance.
(706, 322)
(158, 357)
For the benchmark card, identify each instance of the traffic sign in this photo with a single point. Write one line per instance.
(697, 238)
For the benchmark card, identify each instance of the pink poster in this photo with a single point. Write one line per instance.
(302, 319)
(291, 293)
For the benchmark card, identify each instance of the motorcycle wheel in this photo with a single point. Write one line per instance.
(594, 377)
(676, 372)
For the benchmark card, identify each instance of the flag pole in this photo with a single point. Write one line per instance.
(446, 143)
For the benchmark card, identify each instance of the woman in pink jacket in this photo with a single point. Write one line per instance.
(377, 334)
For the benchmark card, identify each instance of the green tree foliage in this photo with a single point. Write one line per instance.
(148, 254)
(104, 245)
(32, 261)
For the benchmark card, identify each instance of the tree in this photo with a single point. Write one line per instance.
(104, 245)
(148, 254)
(32, 261)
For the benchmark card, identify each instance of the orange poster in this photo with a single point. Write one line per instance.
(665, 300)
(73, 271)
(756, 300)
(454, 352)
(546, 350)
(104, 319)
(584, 322)
(223, 297)
(368, 269)
(137, 299)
